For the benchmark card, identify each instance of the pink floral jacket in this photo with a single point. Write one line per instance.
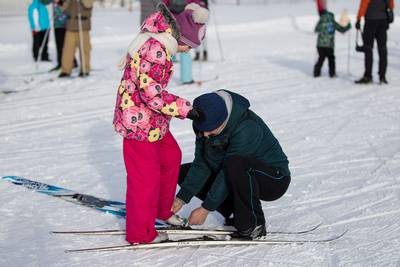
(144, 107)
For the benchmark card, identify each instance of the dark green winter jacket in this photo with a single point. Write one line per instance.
(326, 28)
(245, 134)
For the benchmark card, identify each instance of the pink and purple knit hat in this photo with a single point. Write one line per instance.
(192, 26)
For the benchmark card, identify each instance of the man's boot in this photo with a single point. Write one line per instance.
(253, 233)
(364, 80)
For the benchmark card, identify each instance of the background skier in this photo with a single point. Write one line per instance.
(74, 8)
(377, 19)
(201, 51)
(40, 25)
(59, 22)
(326, 28)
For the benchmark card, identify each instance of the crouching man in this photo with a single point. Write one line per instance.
(238, 162)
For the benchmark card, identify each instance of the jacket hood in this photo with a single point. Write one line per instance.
(240, 105)
(160, 22)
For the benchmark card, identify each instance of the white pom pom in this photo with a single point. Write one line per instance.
(200, 14)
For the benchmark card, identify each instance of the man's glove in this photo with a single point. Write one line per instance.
(195, 115)
(358, 25)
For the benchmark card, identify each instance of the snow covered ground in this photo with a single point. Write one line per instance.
(342, 140)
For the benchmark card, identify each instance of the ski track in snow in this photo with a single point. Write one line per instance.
(342, 140)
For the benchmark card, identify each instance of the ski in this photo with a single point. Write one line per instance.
(112, 207)
(184, 231)
(206, 241)
(116, 208)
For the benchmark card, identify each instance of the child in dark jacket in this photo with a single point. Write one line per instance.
(326, 28)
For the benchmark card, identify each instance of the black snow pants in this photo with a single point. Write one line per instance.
(325, 52)
(59, 34)
(375, 29)
(249, 181)
(38, 41)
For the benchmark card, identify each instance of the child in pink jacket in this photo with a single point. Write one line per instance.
(142, 114)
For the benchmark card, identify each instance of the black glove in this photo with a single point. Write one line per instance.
(195, 115)
(358, 25)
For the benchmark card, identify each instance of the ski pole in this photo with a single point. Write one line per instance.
(348, 53)
(82, 54)
(217, 33)
(46, 35)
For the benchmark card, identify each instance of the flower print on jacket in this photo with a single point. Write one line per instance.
(144, 107)
(154, 135)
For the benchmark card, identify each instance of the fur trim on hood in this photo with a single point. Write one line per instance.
(161, 26)
(200, 14)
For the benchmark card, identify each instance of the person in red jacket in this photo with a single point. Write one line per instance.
(375, 13)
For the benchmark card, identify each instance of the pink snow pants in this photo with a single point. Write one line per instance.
(152, 175)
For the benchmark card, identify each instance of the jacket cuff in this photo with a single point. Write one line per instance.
(184, 195)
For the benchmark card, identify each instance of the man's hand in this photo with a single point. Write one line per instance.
(198, 216)
(358, 25)
(177, 205)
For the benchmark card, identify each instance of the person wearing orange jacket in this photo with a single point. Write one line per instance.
(377, 19)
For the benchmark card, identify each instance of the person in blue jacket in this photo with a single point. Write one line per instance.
(237, 163)
(40, 25)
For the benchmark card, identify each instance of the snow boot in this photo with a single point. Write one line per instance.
(197, 56)
(64, 75)
(205, 56)
(253, 233)
(382, 80)
(160, 238)
(364, 80)
(81, 74)
(177, 220)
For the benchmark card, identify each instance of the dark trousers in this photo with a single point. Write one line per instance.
(59, 34)
(249, 181)
(375, 29)
(325, 52)
(38, 41)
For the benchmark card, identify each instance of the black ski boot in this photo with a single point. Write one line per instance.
(197, 56)
(317, 72)
(81, 74)
(382, 80)
(253, 233)
(205, 55)
(64, 75)
(364, 80)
